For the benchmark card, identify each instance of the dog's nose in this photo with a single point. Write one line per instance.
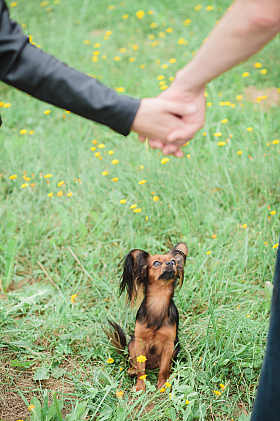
(171, 263)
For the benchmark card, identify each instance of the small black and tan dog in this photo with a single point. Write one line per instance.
(155, 342)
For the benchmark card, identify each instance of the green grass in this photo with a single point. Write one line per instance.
(49, 343)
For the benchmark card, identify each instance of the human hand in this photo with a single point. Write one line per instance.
(192, 122)
(157, 118)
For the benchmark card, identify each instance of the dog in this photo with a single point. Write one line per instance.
(154, 343)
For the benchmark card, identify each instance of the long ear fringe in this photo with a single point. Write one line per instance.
(181, 249)
(134, 274)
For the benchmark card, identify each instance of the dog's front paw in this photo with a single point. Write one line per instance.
(140, 385)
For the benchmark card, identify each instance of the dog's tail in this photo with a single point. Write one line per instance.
(116, 336)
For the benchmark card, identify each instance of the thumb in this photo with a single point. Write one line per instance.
(183, 133)
(180, 108)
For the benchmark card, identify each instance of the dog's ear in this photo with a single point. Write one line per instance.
(135, 270)
(180, 252)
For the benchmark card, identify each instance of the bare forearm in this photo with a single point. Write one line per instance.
(243, 30)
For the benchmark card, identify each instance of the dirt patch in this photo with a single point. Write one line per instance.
(266, 98)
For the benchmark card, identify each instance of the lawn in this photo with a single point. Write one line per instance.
(75, 198)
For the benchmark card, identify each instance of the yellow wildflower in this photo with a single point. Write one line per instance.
(7, 105)
(275, 142)
(115, 179)
(187, 402)
(115, 161)
(275, 246)
(249, 129)
(167, 384)
(222, 386)
(155, 198)
(110, 152)
(162, 390)
(31, 407)
(263, 71)
(225, 120)
(221, 143)
(47, 112)
(208, 252)
(142, 182)
(137, 210)
(140, 14)
(86, 41)
(245, 74)
(105, 173)
(60, 193)
(143, 377)
(48, 176)
(244, 226)
(93, 148)
(12, 177)
(258, 65)
(239, 97)
(217, 392)
(122, 201)
(97, 154)
(119, 393)
(23, 131)
(218, 134)
(187, 22)
(125, 16)
(60, 183)
(24, 185)
(133, 206)
(110, 361)
(69, 194)
(73, 298)
(214, 236)
(165, 160)
(50, 195)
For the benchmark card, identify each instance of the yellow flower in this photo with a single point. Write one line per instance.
(140, 14)
(97, 154)
(187, 402)
(165, 160)
(50, 195)
(153, 25)
(167, 384)
(248, 315)
(86, 41)
(143, 377)
(110, 152)
(125, 16)
(221, 143)
(209, 7)
(239, 97)
(209, 104)
(122, 201)
(93, 148)
(141, 167)
(188, 155)
(217, 392)
(275, 246)
(119, 393)
(31, 132)
(141, 359)
(31, 407)
(162, 390)
(258, 65)
(263, 71)
(60, 193)
(47, 112)
(104, 57)
(208, 252)
(161, 77)
(142, 182)
(150, 12)
(73, 298)
(60, 183)
(275, 142)
(239, 152)
(117, 58)
(111, 7)
(13, 4)
(108, 33)
(266, 243)
(163, 87)
(7, 105)
(187, 22)
(115, 161)
(198, 7)
(273, 212)
(244, 226)
(137, 211)
(131, 59)
(249, 129)
(225, 120)
(218, 134)
(135, 47)
(105, 173)
(245, 74)
(48, 175)
(23, 131)
(110, 361)
(133, 206)
(214, 236)
(161, 34)
(155, 198)
(181, 41)
(172, 60)
(169, 30)
(69, 194)
(222, 386)
(33, 185)
(115, 179)
(24, 185)
(12, 177)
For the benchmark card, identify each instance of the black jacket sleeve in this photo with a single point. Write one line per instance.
(29, 69)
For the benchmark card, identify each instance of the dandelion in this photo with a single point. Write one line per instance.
(165, 160)
(110, 361)
(222, 386)
(248, 315)
(23, 131)
(125, 16)
(239, 152)
(60, 183)
(69, 194)
(266, 243)
(105, 172)
(188, 155)
(117, 58)
(142, 182)
(161, 34)
(135, 47)
(131, 59)
(119, 393)
(115, 179)
(209, 104)
(7, 105)
(218, 134)
(208, 252)
(275, 142)
(143, 377)
(60, 193)
(198, 7)
(169, 30)
(162, 390)
(47, 112)
(209, 7)
(122, 201)
(108, 33)
(13, 177)
(115, 161)
(97, 154)
(239, 97)
(50, 195)
(167, 384)
(155, 198)
(172, 60)
(13, 4)
(187, 22)
(187, 402)
(93, 148)
(151, 12)
(133, 206)
(140, 14)
(263, 71)
(217, 392)
(249, 129)
(23, 186)
(31, 407)
(86, 41)
(244, 226)
(245, 74)
(48, 176)
(221, 143)
(275, 246)
(141, 167)
(31, 132)
(73, 298)
(214, 236)
(153, 25)
(137, 210)
(110, 152)
(32, 185)
(225, 120)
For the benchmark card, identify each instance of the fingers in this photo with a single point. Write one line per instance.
(180, 108)
(142, 138)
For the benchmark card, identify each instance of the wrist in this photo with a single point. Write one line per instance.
(186, 81)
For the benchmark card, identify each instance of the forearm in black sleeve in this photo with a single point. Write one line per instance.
(29, 69)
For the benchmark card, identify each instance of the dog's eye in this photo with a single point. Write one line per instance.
(173, 262)
(156, 263)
